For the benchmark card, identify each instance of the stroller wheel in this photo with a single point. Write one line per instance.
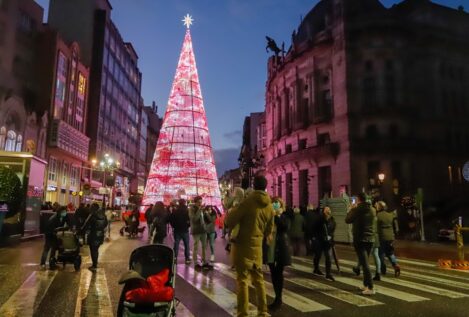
(77, 263)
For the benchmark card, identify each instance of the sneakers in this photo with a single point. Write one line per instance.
(383, 269)
(330, 278)
(188, 261)
(212, 258)
(397, 270)
(377, 277)
(356, 270)
(368, 291)
(275, 305)
(318, 272)
(43, 267)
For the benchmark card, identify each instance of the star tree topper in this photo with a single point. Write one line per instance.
(188, 21)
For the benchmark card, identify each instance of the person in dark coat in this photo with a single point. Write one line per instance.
(149, 218)
(179, 220)
(363, 217)
(160, 218)
(325, 242)
(279, 252)
(96, 225)
(57, 220)
(310, 218)
(80, 215)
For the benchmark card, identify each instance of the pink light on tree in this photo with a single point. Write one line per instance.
(183, 164)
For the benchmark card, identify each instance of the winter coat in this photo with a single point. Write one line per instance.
(362, 217)
(297, 224)
(96, 225)
(326, 230)
(210, 226)
(54, 222)
(179, 219)
(386, 221)
(198, 221)
(312, 221)
(149, 215)
(255, 216)
(160, 222)
(279, 250)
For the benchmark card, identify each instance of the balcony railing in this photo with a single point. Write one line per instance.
(326, 150)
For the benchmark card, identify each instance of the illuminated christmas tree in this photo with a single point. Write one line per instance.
(183, 164)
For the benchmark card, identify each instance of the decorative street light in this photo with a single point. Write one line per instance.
(381, 177)
(106, 165)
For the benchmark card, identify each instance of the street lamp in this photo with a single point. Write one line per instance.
(381, 177)
(107, 164)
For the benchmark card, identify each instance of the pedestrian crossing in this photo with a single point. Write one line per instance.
(304, 293)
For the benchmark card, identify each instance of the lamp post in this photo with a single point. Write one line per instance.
(107, 164)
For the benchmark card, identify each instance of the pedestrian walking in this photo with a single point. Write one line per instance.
(387, 229)
(180, 221)
(278, 253)
(57, 220)
(96, 225)
(149, 218)
(296, 231)
(255, 217)
(375, 252)
(309, 220)
(109, 220)
(325, 242)
(199, 232)
(211, 215)
(80, 215)
(230, 203)
(361, 216)
(160, 219)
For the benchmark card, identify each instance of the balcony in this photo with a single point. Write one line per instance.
(70, 140)
(326, 150)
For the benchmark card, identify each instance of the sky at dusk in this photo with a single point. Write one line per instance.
(229, 44)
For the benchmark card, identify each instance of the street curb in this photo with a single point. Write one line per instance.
(31, 237)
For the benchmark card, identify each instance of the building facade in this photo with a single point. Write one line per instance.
(153, 132)
(115, 85)
(250, 157)
(22, 127)
(64, 95)
(372, 99)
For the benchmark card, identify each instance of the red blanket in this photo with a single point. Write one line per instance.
(153, 290)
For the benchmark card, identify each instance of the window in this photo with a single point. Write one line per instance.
(371, 131)
(52, 175)
(10, 144)
(324, 181)
(19, 143)
(3, 133)
(323, 138)
(64, 175)
(61, 78)
(288, 149)
(369, 92)
(25, 22)
(302, 144)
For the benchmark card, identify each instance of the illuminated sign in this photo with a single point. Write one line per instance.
(51, 188)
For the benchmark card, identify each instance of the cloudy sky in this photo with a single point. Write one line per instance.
(229, 43)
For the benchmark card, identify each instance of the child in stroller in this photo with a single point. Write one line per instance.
(132, 223)
(148, 263)
(68, 246)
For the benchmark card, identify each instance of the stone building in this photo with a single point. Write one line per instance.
(370, 98)
(22, 127)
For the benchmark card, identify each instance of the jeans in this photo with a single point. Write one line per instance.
(323, 247)
(276, 273)
(363, 250)
(296, 244)
(387, 249)
(50, 244)
(202, 238)
(94, 252)
(184, 236)
(211, 242)
(257, 279)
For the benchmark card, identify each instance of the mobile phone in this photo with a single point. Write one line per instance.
(354, 200)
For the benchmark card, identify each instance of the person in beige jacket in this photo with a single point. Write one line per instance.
(255, 216)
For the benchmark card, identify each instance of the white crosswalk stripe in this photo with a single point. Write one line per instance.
(357, 283)
(29, 295)
(294, 300)
(218, 294)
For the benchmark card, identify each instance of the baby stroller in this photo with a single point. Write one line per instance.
(148, 261)
(131, 227)
(68, 247)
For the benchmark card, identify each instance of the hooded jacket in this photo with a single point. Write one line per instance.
(363, 219)
(255, 216)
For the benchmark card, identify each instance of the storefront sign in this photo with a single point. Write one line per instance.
(51, 188)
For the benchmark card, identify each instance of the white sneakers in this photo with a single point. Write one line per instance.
(367, 291)
(212, 258)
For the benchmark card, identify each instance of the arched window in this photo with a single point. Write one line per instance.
(19, 143)
(3, 133)
(11, 141)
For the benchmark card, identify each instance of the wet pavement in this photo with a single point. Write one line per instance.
(422, 289)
